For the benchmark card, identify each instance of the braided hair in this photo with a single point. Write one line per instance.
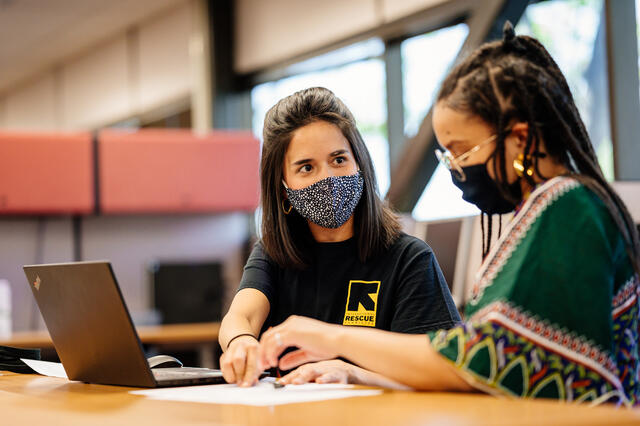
(518, 75)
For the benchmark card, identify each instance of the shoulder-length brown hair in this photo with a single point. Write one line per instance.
(287, 238)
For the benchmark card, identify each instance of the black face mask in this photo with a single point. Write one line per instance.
(481, 190)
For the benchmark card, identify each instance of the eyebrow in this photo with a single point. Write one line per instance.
(308, 160)
(301, 162)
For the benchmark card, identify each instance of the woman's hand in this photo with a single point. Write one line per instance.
(315, 339)
(338, 371)
(239, 363)
(332, 371)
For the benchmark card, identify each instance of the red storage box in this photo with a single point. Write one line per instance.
(46, 173)
(177, 171)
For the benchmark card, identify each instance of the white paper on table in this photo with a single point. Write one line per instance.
(46, 368)
(263, 394)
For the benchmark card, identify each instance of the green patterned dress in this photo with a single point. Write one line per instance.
(554, 310)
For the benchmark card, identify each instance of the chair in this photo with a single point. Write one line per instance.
(449, 240)
(188, 292)
(457, 244)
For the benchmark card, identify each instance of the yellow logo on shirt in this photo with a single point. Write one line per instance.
(362, 303)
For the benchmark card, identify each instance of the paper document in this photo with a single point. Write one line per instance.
(46, 368)
(263, 394)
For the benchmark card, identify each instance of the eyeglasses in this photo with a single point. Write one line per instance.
(451, 163)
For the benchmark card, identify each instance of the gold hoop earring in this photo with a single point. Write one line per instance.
(284, 209)
(518, 165)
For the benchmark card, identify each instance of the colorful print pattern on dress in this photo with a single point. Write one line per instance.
(508, 352)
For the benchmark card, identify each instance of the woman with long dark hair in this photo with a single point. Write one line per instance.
(330, 249)
(554, 311)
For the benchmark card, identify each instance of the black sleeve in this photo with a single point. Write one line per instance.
(259, 273)
(423, 301)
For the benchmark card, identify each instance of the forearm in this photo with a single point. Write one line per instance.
(247, 313)
(361, 376)
(404, 358)
(232, 325)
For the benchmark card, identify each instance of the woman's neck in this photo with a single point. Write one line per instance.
(328, 235)
(548, 170)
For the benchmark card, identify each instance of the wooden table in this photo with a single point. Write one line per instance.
(32, 399)
(202, 337)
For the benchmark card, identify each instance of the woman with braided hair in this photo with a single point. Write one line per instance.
(554, 311)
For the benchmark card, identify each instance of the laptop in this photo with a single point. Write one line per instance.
(92, 331)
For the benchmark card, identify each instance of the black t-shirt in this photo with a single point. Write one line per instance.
(401, 290)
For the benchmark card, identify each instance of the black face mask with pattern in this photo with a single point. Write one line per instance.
(330, 202)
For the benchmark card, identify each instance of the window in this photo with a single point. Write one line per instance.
(425, 61)
(357, 76)
(572, 31)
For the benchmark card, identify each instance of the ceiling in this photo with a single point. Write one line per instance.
(38, 34)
